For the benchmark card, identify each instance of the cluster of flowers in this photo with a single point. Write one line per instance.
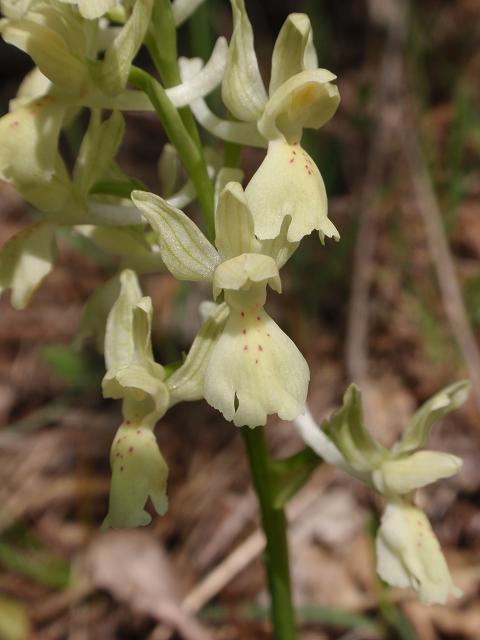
(241, 362)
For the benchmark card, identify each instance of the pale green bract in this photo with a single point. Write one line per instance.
(254, 369)
(408, 553)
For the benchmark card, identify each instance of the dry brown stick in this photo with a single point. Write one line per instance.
(428, 207)
(387, 108)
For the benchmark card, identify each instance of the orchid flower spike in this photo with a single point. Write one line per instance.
(408, 553)
(139, 471)
(254, 369)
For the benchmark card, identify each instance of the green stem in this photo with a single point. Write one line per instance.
(161, 42)
(275, 528)
(189, 152)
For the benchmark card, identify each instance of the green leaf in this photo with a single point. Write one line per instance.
(38, 565)
(76, 369)
(291, 474)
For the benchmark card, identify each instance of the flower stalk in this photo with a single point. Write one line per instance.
(275, 528)
(190, 154)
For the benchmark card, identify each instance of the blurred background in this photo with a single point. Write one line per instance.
(394, 306)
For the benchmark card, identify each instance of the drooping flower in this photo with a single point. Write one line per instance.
(139, 470)
(288, 184)
(408, 553)
(254, 369)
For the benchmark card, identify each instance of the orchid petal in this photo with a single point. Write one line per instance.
(29, 135)
(243, 270)
(243, 91)
(186, 383)
(347, 431)
(444, 402)
(37, 35)
(294, 50)
(408, 554)
(205, 81)
(120, 54)
(237, 132)
(183, 9)
(234, 223)
(403, 475)
(93, 9)
(224, 176)
(15, 9)
(139, 472)
(133, 375)
(306, 100)
(288, 183)
(314, 436)
(255, 370)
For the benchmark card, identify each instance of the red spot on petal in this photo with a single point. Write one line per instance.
(130, 449)
(121, 469)
(242, 314)
(269, 335)
(258, 317)
(260, 348)
(244, 332)
(127, 421)
(291, 160)
(256, 361)
(245, 348)
(294, 152)
(14, 124)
